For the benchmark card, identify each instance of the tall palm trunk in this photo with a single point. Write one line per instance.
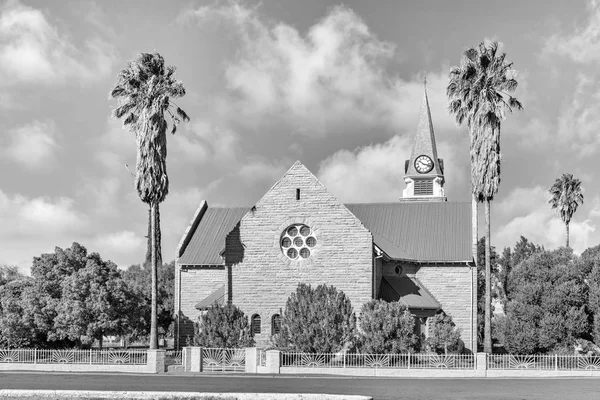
(475, 234)
(567, 225)
(487, 340)
(154, 285)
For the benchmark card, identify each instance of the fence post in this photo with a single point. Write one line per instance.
(408, 360)
(273, 361)
(481, 363)
(344, 355)
(35, 356)
(250, 359)
(556, 362)
(91, 354)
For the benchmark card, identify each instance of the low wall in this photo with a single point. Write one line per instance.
(155, 363)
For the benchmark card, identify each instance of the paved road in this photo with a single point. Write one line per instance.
(379, 388)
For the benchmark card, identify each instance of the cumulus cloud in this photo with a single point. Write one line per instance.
(33, 145)
(205, 143)
(375, 173)
(33, 50)
(330, 80)
(529, 214)
(119, 242)
(580, 116)
(582, 45)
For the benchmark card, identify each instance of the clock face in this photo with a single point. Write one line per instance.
(423, 164)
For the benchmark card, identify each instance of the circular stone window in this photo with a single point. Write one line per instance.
(297, 242)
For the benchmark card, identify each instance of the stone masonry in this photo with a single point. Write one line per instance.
(262, 277)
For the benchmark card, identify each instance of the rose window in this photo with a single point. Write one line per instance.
(298, 241)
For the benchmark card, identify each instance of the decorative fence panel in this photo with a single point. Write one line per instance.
(543, 362)
(69, 356)
(214, 359)
(392, 361)
(173, 357)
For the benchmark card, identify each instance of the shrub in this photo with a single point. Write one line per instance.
(225, 327)
(318, 320)
(387, 328)
(444, 336)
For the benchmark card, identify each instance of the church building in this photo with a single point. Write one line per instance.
(416, 250)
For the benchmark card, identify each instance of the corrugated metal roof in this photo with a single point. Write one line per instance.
(422, 232)
(218, 296)
(428, 231)
(407, 290)
(209, 237)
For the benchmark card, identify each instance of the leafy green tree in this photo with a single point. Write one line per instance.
(567, 195)
(547, 306)
(9, 273)
(590, 260)
(95, 302)
(317, 320)
(387, 328)
(479, 92)
(443, 336)
(145, 89)
(17, 325)
(138, 279)
(224, 327)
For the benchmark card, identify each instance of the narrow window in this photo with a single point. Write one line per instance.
(298, 194)
(275, 324)
(255, 325)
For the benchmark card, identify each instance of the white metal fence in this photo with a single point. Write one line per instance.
(543, 362)
(71, 356)
(173, 357)
(392, 361)
(215, 359)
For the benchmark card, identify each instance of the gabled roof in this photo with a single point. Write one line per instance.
(408, 291)
(414, 232)
(421, 232)
(218, 296)
(208, 238)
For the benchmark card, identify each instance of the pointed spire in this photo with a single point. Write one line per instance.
(424, 143)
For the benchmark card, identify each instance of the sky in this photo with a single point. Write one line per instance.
(335, 85)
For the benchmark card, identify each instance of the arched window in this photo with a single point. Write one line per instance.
(275, 324)
(255, 324)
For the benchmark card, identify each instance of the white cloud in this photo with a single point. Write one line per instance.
(595, 211)
(331, 80)
(33, 145)
(529, 214)
(122, 242)
(375, 172)
(32, 50)
(204, 143)
(579, 118)
(582, 45)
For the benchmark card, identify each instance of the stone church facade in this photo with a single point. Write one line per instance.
(416, 251)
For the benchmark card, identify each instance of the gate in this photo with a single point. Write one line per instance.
(222, 360)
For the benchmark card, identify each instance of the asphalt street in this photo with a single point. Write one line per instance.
(378, 388)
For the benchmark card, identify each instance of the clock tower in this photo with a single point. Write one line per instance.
(424, 171)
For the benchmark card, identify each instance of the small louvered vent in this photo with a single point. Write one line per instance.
(423, 187)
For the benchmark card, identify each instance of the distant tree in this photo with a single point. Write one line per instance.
(224, 327)
(17, 324)
(479, 94)
(444, 336)
(317, 320)
(387, 328)
(145, 89)
(590, 260)
(138, 279)
(510, 258)
(567, 195)
(547, 304)
(9, 273)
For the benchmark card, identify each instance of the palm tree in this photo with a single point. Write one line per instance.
(479, 94)
(567, 195)
(144, 90)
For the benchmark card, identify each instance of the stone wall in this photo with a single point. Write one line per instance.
(262, 277)
(196, 284)
(451, 286)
